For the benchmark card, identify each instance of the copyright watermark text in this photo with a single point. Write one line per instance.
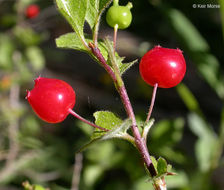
(206, 6)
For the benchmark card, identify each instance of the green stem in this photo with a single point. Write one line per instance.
(115, 37)
(115, 2)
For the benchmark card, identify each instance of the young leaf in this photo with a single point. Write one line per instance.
(74, 12)
(70, 40)
(146, 128)
(94, 11)
(118, 129)
(117, 60)
(107, 120)
(123, 67)
(154, 161)
(161, 166)
(119, 132)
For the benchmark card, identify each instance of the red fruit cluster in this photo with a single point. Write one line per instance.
(51, 99)
(32, 11)
(163, 66)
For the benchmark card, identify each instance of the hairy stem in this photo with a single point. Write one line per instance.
(139, 141)
(86, 121)
(101, 59)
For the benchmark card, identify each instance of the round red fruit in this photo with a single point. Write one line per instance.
(163, 66)
(51, 99)
(32, 11)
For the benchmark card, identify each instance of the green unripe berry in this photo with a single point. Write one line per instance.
(119, 15)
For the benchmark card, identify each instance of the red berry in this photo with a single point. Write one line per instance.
(32, 11)
(51, 99)
(163, 66)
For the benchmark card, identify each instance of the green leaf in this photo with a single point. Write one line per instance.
(107, 120)
(117, 127)
(117, 60)
(161, 166)
(94, 11)
(206, 144)
(188, 98)
(72, 41)
(91, 174)
(74, 12)
(35, 57)
(146, 128)
(154, 161)
(6, 51)
(27, 36)
(167, 132)
(119, 132)
(123, 67)
(199, 127)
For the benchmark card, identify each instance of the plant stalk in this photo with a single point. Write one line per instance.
(139, 141)
(86, 121)
(152, 102)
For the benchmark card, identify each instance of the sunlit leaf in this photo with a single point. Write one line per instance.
(74, 12)
(161, 166)
(107, 120)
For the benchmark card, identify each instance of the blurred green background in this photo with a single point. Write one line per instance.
(189, 127)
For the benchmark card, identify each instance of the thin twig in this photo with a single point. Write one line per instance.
(95, 50)
(77, 171)
(13, 125)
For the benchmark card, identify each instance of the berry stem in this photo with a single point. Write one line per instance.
(115, 2)
(86, 121)
(152, 102)
(115, 36)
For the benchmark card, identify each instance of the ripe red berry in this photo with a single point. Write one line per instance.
(32, 11)
(51, 99)
(163, 66)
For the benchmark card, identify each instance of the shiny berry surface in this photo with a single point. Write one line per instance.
(120, 15)
(32, 11)
(163, 66)
(51, 99)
